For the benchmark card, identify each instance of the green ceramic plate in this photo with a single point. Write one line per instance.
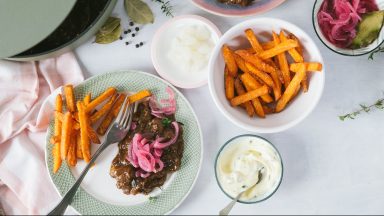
(98, 194)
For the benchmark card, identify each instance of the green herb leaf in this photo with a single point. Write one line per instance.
(152, 199)
(379, 104)
(107, 34)
(166, 121)
(138, 11)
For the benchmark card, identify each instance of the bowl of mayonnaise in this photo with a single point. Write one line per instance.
(244, 161)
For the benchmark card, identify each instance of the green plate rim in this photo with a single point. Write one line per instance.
(64, 165)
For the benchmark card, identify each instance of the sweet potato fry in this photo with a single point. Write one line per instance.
(139, 96)
(249, 96)
(229, 86)
(58, 123)
(256, 61)
(282, 47)
(92, 135)
(283, 63)
(93, 104)
(294, 53)
(241, 91)
(290, 91)
(87, 99)
(268, 109)
(240, 63)
(229, 60)
(309, 66)
(56, 157)
(260, 74)
(54, 139)
(66, 134)
(85, 144)
(69, 98)
(71, 157)
(103, 127)
(250, 82)
(256, 103)
(79, 152)
(253, 41)
(268, 45)
(103, 110)
(299, 48)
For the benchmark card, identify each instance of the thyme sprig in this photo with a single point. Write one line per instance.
(379, 104)
(166, 7)
(380, 49)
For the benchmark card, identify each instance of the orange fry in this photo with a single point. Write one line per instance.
(101, 112)
(71, 157)
(256, 61)
(229, 85)
(85, 144)
(241, 91)
(229, 60)
(309, 66)
(79, 152)
(87, 99)
(103, 127)
(282, 47)
(139, 96)
(66, 134)
(69, 98)
(240, 63)
(58, 109)
(56, 157)
(92, 135)
(290, 91)
(249, 96)
(296, 56)
(299, 48)
(256, 103)
(253, 40)
(250, 82)
(283, 63)
(93, 104)
(268, 45)
(260, 74)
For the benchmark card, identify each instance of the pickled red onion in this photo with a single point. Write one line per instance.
(168, 106)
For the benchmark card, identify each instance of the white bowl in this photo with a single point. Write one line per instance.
(161, 43)
(298, 109)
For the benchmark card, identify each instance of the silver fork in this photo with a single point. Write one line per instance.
(116, 133)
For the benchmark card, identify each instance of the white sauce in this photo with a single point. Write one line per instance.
(239, 164)
(191, 48)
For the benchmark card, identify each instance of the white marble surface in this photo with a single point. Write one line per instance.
(331, 167)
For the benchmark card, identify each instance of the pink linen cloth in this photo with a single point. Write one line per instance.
(25, 186)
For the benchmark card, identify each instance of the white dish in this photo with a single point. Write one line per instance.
(297, 110)
(161, 44)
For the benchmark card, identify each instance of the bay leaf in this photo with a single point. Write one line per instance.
(109, 25)
(138, 11)
(110, 37)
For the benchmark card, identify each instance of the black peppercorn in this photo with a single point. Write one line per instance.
(125, 32)
(131, 23)
(133, 35)
(129, 31)
(121, 38)
(137, 28)
(127, 43)
(141, 43)
(137, 45)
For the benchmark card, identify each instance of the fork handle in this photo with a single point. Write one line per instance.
(67, 199)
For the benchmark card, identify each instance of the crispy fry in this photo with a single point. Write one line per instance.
(54, 139)
(256, 103)
(268, 109)
(260, 74)
(139, 96)
(103, 127)
(69, 98)
(58, 109)
(283, 63)
(229, 60)
(309, 66)
(93, 104)
(241, 91)
(294, 53)
(229, 85)
(249, 96)
(87, 99)
(280, 48)
(299, 48)
(71, 157)
(256, 61)
(85, 144)
(56, 157)
(240, 63)
(290, 91)
(66, 133)
(92, 135)
(79, 152)
(304, 83)
(268, 45)
(250, 82)
(101, 112)
(253, 41)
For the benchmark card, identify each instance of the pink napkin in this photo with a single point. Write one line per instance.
(25, 187)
